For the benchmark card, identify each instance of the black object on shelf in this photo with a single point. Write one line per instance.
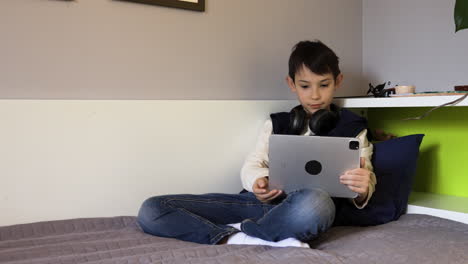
(379, 91)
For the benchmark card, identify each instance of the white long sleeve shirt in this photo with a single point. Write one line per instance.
(256, 164)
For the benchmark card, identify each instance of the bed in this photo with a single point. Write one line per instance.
(77, 159)
(412, 239)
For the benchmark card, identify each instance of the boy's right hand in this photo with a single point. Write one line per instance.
(262, 192)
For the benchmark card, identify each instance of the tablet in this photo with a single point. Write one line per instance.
(298, 162)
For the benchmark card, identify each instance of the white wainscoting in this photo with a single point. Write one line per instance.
(63, 159)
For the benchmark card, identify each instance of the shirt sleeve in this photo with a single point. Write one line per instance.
(366, 153)
(256, 164)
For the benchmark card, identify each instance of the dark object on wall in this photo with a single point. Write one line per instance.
(461, 15)
(461, 88)
(196, 5)
(379, 91)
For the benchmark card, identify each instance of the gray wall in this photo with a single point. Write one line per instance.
(103, 49)
(414, 42)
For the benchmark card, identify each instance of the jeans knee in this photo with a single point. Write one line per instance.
(150, 211)
(313, 210)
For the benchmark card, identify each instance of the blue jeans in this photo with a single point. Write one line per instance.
(302, 214)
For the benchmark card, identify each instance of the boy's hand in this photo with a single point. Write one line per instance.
(261, 191)
(357, 180)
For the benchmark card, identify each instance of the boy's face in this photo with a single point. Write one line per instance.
(314, 91)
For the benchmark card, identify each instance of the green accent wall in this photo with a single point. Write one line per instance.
(443, 159)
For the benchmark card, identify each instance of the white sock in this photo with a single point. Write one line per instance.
(241, 238)
(236, 226)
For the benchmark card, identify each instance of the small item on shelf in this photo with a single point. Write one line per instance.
(405, 89)
(379, 91)
(461, 88)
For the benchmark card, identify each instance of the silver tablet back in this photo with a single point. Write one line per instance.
(298, 162)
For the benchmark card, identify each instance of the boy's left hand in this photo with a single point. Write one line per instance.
(357, 180)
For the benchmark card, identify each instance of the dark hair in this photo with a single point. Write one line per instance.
(314, 55)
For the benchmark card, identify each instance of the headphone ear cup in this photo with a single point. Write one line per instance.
(297, 119)
(323, 121)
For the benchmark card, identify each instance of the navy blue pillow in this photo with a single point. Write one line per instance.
(394, 164)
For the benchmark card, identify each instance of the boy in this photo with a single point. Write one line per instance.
(261, 215)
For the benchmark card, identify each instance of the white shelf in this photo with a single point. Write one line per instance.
(444, 206)
(411, 101)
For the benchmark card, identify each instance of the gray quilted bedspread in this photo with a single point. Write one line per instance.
(412, 239)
